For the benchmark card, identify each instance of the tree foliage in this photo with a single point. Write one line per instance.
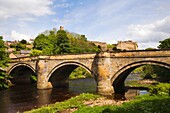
(3, 63)
(35, 52)
(43, 44)
(161, 89)
(161, 74)
(158, 73)
(21, 45)
(62, 42)
(23, 41)
(80, 44)
(164, 44)
(79, 73)
(3, 54)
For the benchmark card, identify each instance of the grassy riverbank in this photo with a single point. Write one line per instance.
(84, 103)
(143, 104)
(75, 102)
(141, 83)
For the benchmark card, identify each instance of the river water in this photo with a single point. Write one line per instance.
(26, 97)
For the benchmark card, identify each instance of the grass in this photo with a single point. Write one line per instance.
(143, 104)
(137, 84)
(75, 102)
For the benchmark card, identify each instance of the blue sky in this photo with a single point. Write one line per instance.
(144, 21)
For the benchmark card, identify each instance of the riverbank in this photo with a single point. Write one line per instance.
(141, 83)
(89, 103)
(78, 102)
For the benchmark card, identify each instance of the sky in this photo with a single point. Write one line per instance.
(144, 21)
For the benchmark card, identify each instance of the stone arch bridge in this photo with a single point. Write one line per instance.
(109, 69)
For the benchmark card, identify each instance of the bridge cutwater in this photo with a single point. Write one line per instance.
(109, 69)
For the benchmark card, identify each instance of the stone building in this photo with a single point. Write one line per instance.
(101, 45)
(127, 45)
(61, 28)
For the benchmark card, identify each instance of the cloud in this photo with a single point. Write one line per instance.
(62, 5)
(24, 8)
(100, 20)
(150, 34)
(19, 36)
(108, 20)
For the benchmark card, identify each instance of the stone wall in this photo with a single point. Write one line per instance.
(127, 45)
(101, 45)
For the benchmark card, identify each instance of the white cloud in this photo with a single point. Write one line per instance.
(62, 5)
(24, 8)
(149, 35)
(19, 36)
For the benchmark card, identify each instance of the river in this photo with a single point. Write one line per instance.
(25, 97)
(20, 98)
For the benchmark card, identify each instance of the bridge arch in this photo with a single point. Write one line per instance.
(119, 77)
(20, 64)
(58, 76)
(21, 73)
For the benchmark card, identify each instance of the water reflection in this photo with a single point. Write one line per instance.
(25, 97)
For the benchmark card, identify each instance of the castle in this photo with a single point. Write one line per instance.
(127, 45)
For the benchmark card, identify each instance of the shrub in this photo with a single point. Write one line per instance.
(4, 80)
(35, 52)
(162, 89)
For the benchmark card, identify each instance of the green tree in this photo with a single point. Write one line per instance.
(3, 54)
(164, 44)
(20, 46)
(62, 44)
(158, 73)
(3, 63)
(80, 44)
(161, 74)
(79, 73)
(148, 72)
(23, 41)
(42, 43)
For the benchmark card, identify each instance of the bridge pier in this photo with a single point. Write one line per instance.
(104, 88)
(103, 72)
(42, 72)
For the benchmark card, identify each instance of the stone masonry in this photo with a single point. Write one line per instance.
(109, 69)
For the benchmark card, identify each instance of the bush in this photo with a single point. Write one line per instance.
(35, 52)
(79, 73)
(4, 80)
(162, 89)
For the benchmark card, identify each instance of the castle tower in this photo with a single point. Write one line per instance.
(61, 28)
